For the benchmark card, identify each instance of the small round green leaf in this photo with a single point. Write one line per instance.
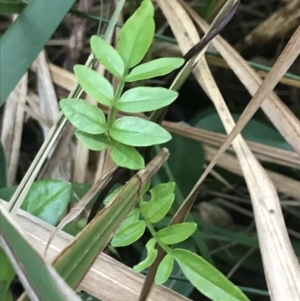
(84, 116)
(136, 131)
(154, 68)
(164, 269)
(206, 278)
(129, 234)
(145, 99)
(127, 156)
(136, 35)
(108, 56)
(176, 233)
(94, 84)
(151, 255)
(157, 208)
(94, 142)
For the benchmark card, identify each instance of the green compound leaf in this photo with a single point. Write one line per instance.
(136, 131)
(84, 116)
(94, 84)
(108, 56)
(154, 68)
(127, 156)
(164, 269)
(151, 255)
(136, 35)
(145, 99)
(129, 234)
(97, 142)
(157, 208)
(206, 278)
(176, 233)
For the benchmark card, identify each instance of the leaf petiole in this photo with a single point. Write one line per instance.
(113, 110)
(153, 232)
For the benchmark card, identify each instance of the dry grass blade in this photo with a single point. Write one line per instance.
(280, 115)
(275, 27)
(46, 91)
(220, 62)
(49, 107)
(95, 237)
(274, 242)
(40, 280)
(76, 259)
(281, 66)
(23, 188)
(79, 207)
(13, 126)
(263, 152)
(275, 246)
(178, 19)
(284, 184)
(63, 144)
(62, 77)
(106, 273)
(196, 52)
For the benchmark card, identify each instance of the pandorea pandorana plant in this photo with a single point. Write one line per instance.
(122, 135)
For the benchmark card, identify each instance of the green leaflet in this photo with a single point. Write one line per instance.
(176, 233)
(151, 255)
(97, 142)
(136, 131)
(145, 99)
(162, 190)
(127, 156)
(94, 84)
(137, 34)
(108, 56)
(206, 278)
(129, 234)
(84, 116)
(157, 208)
(158, 67)
(164, 269)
